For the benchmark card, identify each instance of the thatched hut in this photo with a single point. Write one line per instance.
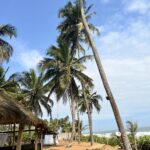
(13, 113)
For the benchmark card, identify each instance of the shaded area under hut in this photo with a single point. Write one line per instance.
(12, 113)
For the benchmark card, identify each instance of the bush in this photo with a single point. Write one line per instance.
(113, 141)
(143, 143)
(26, 138)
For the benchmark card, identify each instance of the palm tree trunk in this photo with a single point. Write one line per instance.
(79, 130)
(73, 105)
(73, 113)
(19, 139)
(124, 137)
(135, 144)
(89, 116)
(91, 126)
(72, 108)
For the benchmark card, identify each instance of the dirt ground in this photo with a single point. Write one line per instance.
(81, 146)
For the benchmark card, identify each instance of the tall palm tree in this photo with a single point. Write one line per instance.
(62, 70)
(133, 127)
(34, 91)
(71, 28)
(5, 48)
(89, 101)
(110, 96)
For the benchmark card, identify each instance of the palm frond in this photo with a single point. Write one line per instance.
(6, 50)
(8, 30)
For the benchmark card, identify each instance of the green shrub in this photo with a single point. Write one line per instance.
(26, 138)
(143, 143)
(113, 141)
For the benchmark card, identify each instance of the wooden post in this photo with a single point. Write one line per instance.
(36, 139)
(78, 115)
(30, 134)
(14, 136)
(41, 140)
(19, 139)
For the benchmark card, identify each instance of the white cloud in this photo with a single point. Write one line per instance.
(131, 39)
(140, 6)
(24, 56)
(30, 59)
(104, 1)
(129, 80)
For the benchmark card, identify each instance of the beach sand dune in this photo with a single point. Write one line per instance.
(81, 146)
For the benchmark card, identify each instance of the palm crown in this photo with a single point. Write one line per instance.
(71, 28)
(34, 91)
(8, 86)
(93, 101)
(5, 48)
(62, 70)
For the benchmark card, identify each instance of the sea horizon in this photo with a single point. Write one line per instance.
(142, 131)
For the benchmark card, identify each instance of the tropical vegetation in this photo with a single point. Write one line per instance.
(33, 91)
(62, 73)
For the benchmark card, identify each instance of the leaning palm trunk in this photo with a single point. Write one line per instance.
(89, 116)
(124, 137)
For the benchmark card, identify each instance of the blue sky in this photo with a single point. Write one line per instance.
(123, 46)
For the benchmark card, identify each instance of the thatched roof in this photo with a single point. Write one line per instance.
(11, 112)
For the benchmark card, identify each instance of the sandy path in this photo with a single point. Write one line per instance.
(81, 146)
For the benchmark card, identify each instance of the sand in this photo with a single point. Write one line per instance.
(81, 146)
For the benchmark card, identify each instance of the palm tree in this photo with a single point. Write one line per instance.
(89, 101)
(62, 70)
(5, 48)
(71, 28)
(62, 123)
(34, 91)
(110, 96)
(8, 86)
(133, 127)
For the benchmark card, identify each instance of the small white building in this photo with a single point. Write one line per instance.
(50, 138)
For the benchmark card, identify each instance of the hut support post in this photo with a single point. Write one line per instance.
(19, 139)
(30, 133)
(41, 141)
(14, 126)
(36, 139)
(36, 145)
